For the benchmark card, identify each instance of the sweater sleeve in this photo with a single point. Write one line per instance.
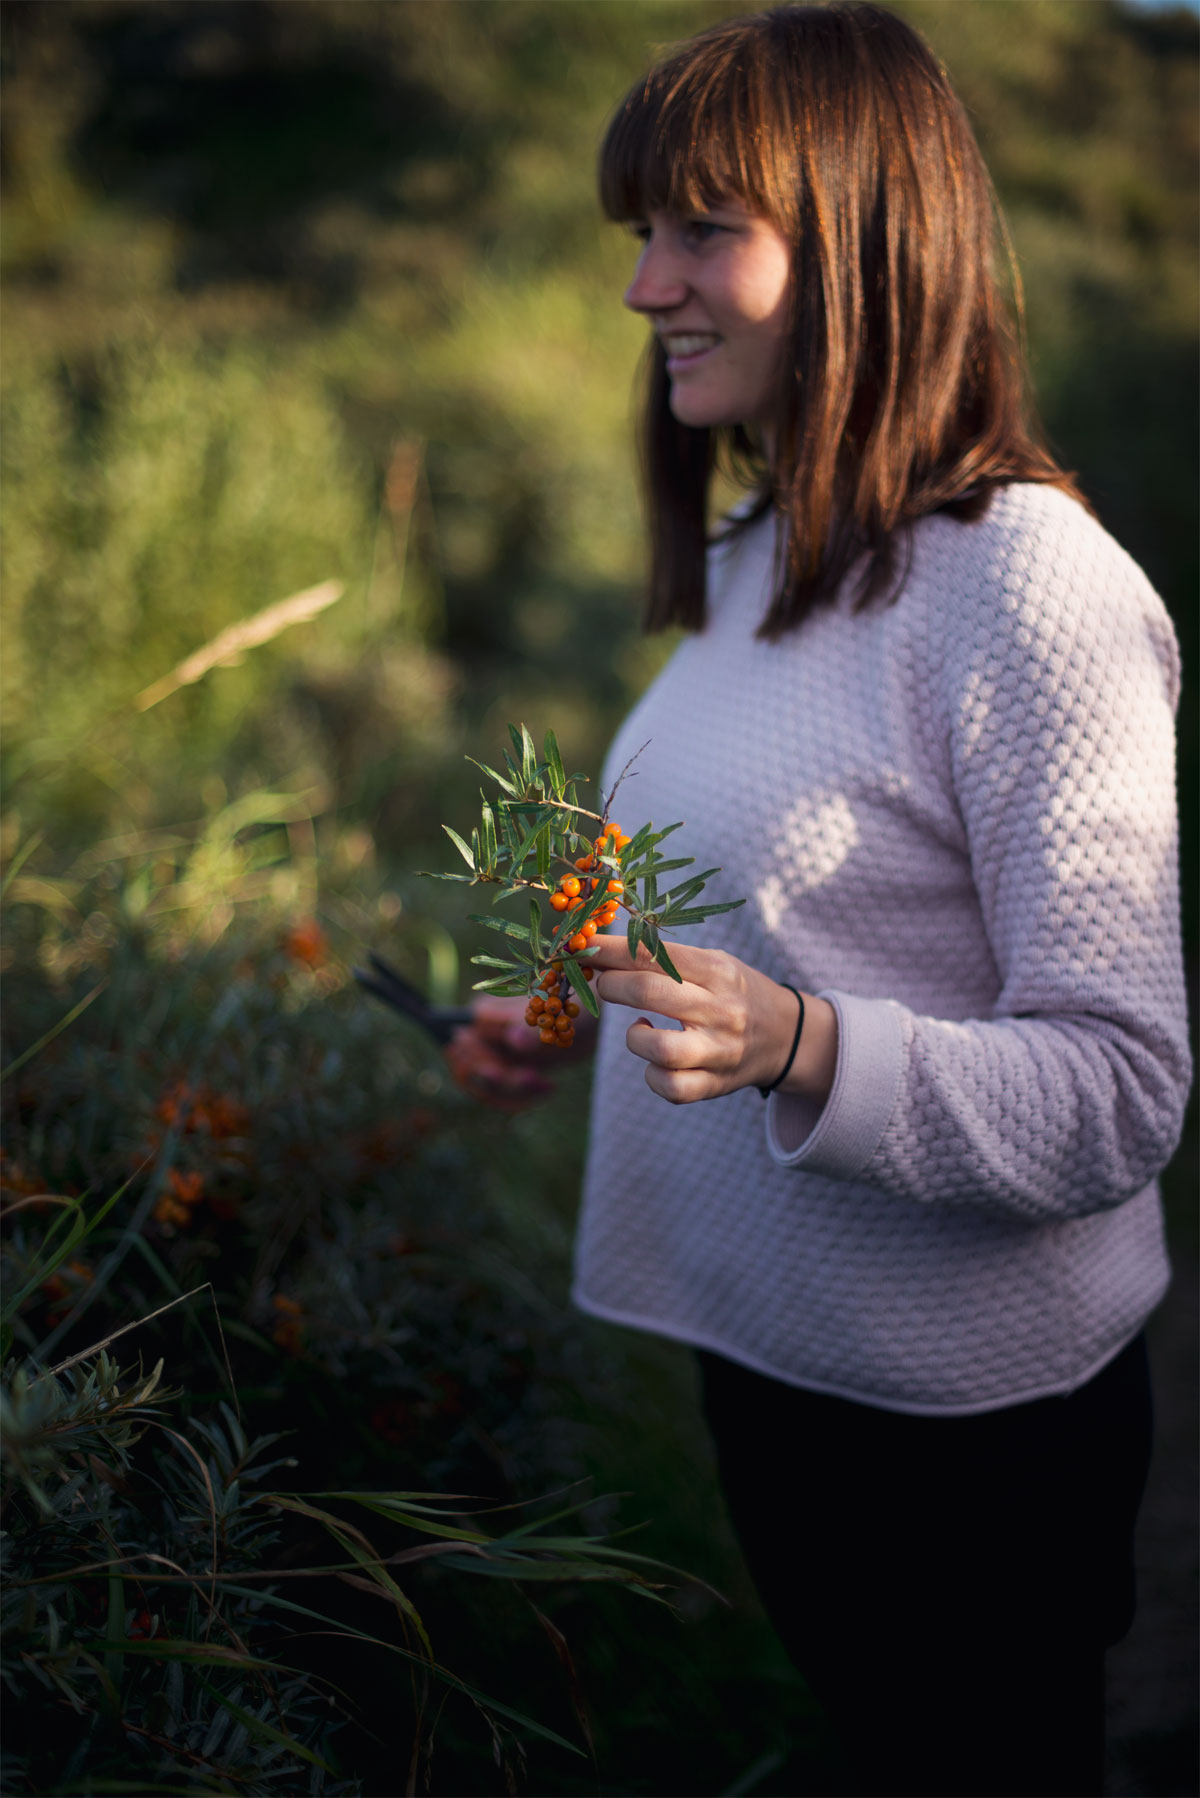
(1054, 686)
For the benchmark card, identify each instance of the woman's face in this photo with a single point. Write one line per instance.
(716, 286)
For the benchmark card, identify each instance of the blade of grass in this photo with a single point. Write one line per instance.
(57, 1030)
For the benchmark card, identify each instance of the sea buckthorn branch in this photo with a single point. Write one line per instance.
(536, 827)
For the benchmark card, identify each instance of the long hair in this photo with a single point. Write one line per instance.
(904, 390)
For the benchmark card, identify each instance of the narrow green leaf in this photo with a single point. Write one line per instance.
(664, 961)
(464, 849)
(535, 929)
(54, 1031)
(528, 757)
(575, 975)
(633, 936)
(508, 829)
(77, 1227)
(660, 864)
(518, 933)
(531, 842)
(505, 785)
(496, 1568)
(544, 852)
(489, 834)
(367, 1558)
(399, 1513)
(558, 775)
(23, 854)
(512, 987)
(493, 961)
(687, 889)
(647, 837)
(696, 914)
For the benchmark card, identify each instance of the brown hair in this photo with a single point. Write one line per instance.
(906, 391)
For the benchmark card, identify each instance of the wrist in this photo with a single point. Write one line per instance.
(815, 1061)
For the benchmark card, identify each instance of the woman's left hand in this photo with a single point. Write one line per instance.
(738, 1024)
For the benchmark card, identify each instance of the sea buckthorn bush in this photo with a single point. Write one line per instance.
(224, 1166)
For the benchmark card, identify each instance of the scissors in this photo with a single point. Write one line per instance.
(441, 1021)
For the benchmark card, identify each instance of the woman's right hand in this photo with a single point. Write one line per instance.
(498, 1059)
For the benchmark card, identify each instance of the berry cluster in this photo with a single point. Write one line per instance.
(551, 1011)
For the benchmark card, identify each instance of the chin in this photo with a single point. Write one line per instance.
(698, 416)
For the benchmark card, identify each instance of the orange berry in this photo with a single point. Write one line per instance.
(571, 886)
(537, 1003)
(615, 886)
(589, 929)
(578, 941)
(623, 842)
(549, 1036)
(553, 1005)
(556, 967)
(571, 1008)
(531, 1018)
(548, 980)
(564, 1026)
(589, 973)
(559, 902)
(585, 863)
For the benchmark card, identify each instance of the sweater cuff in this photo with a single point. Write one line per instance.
(839, 1138)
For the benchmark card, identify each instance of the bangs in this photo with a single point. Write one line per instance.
(693, 134)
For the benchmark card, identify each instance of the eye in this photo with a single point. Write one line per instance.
(702, 230)
(639, 229)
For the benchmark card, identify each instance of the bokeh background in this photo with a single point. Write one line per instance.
(298, 292)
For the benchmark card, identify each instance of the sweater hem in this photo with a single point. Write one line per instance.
(698, 1339)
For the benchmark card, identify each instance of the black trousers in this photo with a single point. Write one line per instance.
(947, 1586)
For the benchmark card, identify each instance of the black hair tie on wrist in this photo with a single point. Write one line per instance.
(787, 1066)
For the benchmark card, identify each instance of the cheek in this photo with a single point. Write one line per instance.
(764, 290)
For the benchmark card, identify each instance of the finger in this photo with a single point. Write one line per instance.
(665, 1048)
(682, 1086)
(613, 952)
(648, 990)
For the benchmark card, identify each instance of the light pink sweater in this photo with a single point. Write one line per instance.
(954, 816)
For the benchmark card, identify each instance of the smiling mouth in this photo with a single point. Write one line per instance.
(686, 346)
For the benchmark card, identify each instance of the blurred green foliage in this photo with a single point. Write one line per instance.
(295, 293)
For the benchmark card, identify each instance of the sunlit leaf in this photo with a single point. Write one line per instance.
(464, 849)
(558, 777)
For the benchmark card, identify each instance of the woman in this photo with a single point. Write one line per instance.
(923, 721)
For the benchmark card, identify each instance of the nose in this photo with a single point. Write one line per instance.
(658, 284)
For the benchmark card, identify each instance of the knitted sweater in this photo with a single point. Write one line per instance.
(954, 817)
